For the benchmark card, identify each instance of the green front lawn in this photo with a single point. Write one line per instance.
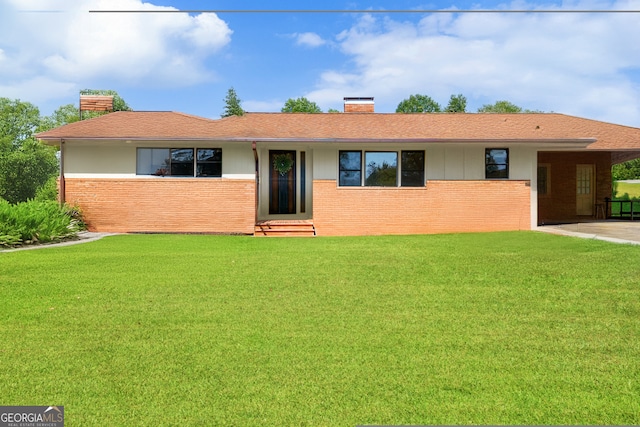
(499, 328)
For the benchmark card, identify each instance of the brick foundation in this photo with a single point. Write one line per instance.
(165, 205)
(440, 207)
(228, 206)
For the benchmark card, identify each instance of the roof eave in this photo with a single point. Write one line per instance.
(574, 142)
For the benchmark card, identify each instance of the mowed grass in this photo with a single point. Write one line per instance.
(500, 328)
(632, 189)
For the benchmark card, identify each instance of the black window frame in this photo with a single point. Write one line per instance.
(406, 171)
(342, 182)
(402, 180)
(492, 168)
(191, 168)
(179, 167)
(379, 181)
(216, 162)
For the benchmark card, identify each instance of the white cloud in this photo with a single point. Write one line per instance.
(309, 39)
(41, 90)
(572, 63)
(259, 106)
(208, 32)
(69, 46)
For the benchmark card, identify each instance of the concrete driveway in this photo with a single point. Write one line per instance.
(610, 230)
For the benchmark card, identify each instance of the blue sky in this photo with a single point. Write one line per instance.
(585, 64)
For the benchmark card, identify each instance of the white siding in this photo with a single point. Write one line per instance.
(520, 163)
(325, 163)
(118, 159)
(101, 159)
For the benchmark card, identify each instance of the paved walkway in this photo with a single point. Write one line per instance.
(611, 231)
(83, 237)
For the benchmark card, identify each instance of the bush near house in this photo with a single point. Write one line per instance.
(35, 222)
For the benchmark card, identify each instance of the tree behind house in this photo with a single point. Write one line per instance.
(62, 116)
(457, 104)
(626, 170)
(300, 105)
(119, 104)
(25, 164)
(500, 107)
(232, 104)
(18, 121)
(418, 104)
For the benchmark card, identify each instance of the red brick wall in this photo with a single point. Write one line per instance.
(440, 207)
(560, 204)
(359, 108)
(165, 205)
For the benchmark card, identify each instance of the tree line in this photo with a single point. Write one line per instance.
(417, 103)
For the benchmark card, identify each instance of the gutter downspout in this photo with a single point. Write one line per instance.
(257, 195)
(62, 196)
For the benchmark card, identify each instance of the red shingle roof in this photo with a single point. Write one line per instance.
(352, 127)
(133, 125)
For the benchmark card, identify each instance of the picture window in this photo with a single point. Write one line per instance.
(180, 162)
(381, 168)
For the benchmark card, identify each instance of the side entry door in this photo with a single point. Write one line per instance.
(585, 189)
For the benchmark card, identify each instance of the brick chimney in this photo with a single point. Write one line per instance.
(358, 105)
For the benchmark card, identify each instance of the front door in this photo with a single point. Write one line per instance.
(282, 182)
(585, 190)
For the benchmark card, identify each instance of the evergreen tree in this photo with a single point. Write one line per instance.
(457, 104)
(232, 104)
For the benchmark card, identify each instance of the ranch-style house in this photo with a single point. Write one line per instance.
(352, 173)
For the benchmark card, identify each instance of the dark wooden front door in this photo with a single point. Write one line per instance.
(282, 182)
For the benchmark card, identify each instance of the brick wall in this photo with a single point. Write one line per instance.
(165, 205)
(560, 204)
(440, 207)
(359, 108)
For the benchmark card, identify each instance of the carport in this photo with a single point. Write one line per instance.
(611, 231)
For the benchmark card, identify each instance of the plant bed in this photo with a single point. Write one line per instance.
(37, 222)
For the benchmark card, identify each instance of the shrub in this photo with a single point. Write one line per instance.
(49, 191)
(37, 222)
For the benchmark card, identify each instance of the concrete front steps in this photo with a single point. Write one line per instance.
(285, 228)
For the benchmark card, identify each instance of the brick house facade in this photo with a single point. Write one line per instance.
(355, 173)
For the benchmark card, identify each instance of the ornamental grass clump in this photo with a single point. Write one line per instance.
(35, 222)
